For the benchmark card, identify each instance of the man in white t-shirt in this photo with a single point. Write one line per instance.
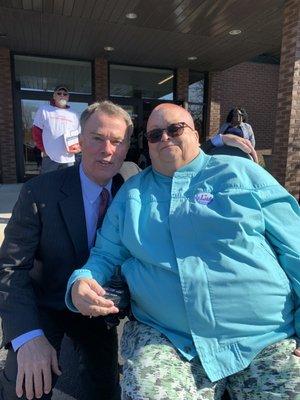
(55, 132)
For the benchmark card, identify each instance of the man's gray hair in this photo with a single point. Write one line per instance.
(108, 108)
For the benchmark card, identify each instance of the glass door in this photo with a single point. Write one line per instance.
(31, 154)
(34, 80)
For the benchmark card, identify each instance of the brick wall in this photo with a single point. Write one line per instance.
(252, 86)
(286, 151)
(7, 139)
(182, 84)
(214, 102)
(101, 79)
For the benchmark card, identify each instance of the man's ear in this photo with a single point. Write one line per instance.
(196, 134)
(80, 139)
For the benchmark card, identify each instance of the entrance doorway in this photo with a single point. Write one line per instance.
(34, 81)
(28, 155)
(31, 154)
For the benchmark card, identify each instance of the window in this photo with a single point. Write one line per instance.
(141, 82)
(43, 74)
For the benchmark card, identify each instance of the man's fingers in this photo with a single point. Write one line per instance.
(254, 156)
(38, 383)
(29, 385)
(94, 285)
(243, 144)
(297, 352)
(47, 376)
(54, 363)
(19, 382)
(87, 289)
(90, 297)
(87, 297)
(34, 368)
(96, 311)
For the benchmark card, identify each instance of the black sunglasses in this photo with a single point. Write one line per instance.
(65, 94)
(172, 130)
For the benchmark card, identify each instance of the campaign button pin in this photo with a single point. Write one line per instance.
(204, 198)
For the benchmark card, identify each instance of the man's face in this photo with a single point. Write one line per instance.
(104, 143)
(61, 97)
(171, 153)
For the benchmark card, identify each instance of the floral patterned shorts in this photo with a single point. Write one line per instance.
(155, 370)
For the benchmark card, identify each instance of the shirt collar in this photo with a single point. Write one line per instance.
(90, 189)
(193, 167)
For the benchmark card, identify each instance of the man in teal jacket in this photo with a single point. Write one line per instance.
(210, 249)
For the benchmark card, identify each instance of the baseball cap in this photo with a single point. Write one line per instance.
(61, 87)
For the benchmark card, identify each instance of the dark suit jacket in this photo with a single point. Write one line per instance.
(45, 240)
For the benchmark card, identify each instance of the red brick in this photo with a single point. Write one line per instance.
(7, 140)
(101, 79)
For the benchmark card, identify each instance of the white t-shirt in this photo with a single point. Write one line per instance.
(55, 122)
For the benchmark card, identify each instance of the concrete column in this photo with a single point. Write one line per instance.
(101, 79)
(8, 172)
(286, 148)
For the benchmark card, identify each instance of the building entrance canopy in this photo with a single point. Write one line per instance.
(164, 33)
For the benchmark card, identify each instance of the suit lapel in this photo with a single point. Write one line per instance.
(72, 210)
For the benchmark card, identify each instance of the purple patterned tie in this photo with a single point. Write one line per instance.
(104, 201)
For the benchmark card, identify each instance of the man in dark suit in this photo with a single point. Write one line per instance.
(52, 228)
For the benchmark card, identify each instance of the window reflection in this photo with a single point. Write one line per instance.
(43, 74)
(196, 98)
(141, 82)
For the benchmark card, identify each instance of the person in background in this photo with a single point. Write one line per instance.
(52, 228)
(236, 124)
(209, 247)
(55, 132)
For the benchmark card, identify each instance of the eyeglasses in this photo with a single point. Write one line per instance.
(173, 130)
(65, 94)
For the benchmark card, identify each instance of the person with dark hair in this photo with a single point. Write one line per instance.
(236, 124)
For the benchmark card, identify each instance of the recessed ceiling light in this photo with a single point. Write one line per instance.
(131, 15)
(3, 35)
(192, 58)
(109, 48)
(235, 32)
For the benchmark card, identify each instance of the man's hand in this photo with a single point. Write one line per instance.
(297, 352)
(36, 361)
(74, 149)
(241, 143)
(87, 296)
